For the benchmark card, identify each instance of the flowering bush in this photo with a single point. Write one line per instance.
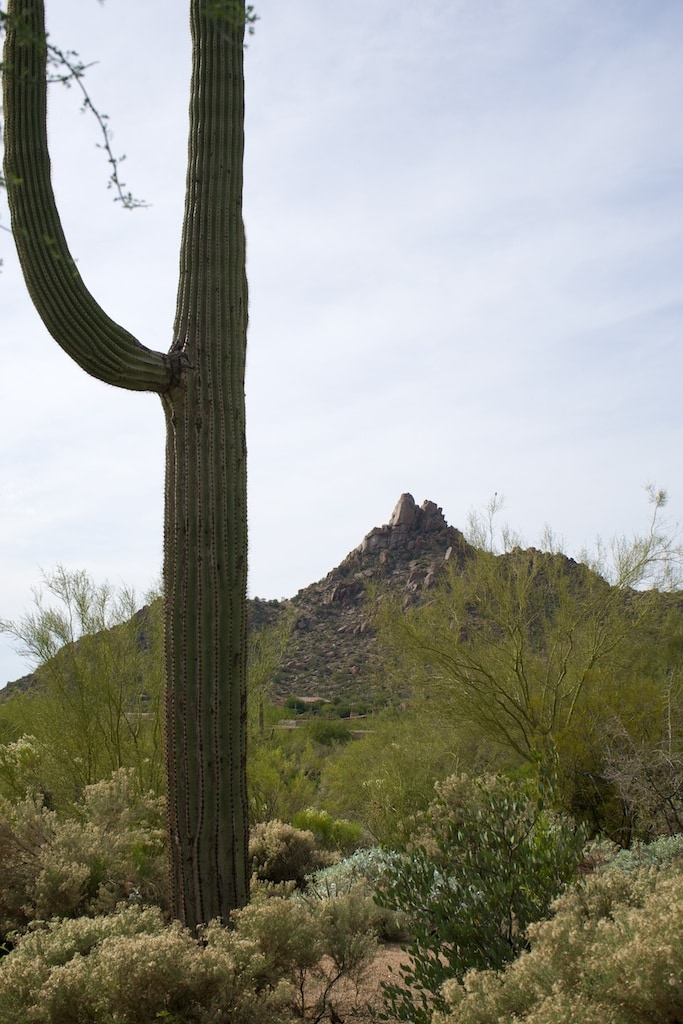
(132, 968)
(282, 853)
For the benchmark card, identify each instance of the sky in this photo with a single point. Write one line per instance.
(465, 253)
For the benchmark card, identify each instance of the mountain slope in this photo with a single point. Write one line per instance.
(333, 647)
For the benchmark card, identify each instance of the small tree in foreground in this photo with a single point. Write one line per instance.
(200, 382)
(487, 862)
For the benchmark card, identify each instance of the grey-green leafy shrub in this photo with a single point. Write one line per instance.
(361, 872)
(487, 862)
(278, 852)
(370, 865)
(110, 849)
(611, 953)
(659, 853)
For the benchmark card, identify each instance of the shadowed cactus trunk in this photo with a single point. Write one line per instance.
(201, 385)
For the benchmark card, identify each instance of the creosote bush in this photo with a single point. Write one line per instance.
(335, 834)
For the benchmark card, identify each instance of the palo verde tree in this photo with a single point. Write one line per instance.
(524, 646)
(95, 706)
(200, 381)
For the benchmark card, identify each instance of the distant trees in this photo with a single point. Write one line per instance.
(97, 703)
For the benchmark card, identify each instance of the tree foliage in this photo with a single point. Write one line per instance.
(486, 863)
(545, 656)
(96, 702)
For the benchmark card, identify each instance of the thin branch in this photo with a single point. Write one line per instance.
(67, 68)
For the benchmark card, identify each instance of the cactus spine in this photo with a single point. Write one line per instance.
(201, 385)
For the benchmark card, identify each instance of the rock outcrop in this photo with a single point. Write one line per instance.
(333, 647)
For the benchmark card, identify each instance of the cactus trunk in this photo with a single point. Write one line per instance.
(201, 384)
(205, 561)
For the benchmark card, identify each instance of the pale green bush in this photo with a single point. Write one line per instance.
(369, 865)
(281, 961)
(130, 967)
(362, 873)
(659, 853)
(336, 834)
(611, 954)
(113, 848)
(281, 853)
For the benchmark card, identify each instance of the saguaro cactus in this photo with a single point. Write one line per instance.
(201, 385)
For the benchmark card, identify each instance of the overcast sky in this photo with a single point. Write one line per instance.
(465, 252)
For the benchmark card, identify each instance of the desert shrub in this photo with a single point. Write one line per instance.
(281, 961)
(612, 953)
(328, 732)
(369, 866)
(131, 968)
(281, 853)
(659, 853)
(112, 848)
(280, 781)
(20, 769)
(389, 776)
(313, 944)
(362, 872)
(336, 834)
(487, 861)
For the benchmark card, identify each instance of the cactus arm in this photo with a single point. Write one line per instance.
(205, 561)
(72, 316)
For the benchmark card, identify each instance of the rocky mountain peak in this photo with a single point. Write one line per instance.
(333, 643)
(415, 535)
